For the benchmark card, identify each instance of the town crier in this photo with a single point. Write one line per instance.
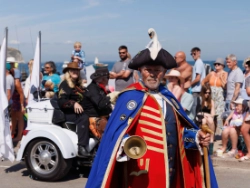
(173, 156)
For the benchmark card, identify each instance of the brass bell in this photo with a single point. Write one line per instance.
(135, 147)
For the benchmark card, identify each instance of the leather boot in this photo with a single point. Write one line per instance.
(82, 151)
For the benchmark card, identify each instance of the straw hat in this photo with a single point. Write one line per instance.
(71, 65)
(239, 101)
(175, 73)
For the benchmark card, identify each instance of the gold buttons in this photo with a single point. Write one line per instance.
(168, 133)
(170, 170)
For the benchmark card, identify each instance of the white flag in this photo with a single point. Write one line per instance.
(6, 146)
(34, 83)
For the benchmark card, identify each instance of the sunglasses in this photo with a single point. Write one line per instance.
(46, 67)
(193, 54)
(217, 64)
(122, 52)
(208, 93)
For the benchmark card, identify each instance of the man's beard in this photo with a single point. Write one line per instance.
(124, 58)
(152, 83)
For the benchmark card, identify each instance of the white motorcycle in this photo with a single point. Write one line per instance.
(49, 145)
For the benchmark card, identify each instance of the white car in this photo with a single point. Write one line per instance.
(49, 145)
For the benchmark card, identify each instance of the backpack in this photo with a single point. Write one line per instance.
(208, 68)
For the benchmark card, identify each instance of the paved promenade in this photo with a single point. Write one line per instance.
(225, 161)
(229, 172)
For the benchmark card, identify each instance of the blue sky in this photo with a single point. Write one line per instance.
(217, 27)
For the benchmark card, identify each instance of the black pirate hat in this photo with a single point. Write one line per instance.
(154, 54)
(100, 72)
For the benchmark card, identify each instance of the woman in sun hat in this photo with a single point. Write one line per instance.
(175, 82)
(70, 101)
(232, 127)
(79, 104)
(217, 80)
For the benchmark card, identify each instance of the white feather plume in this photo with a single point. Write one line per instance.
(154, 45)
(96, 60)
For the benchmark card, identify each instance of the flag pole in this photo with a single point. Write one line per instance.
(5, 58)
(38, 88)
(6, 43)
(40, 35)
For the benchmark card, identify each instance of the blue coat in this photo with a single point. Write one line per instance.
(118, 122)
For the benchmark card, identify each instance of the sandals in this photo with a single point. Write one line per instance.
(244, 158)
(232, 153)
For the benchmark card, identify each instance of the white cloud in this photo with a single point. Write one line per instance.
(19, 19)
(68, 42)
(14, 42)
(90, 4)
(68, 22)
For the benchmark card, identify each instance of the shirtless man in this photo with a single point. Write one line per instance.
(183, 67)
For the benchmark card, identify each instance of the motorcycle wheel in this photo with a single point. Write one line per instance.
(45, 162)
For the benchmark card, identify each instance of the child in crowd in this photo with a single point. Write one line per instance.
(232, 127)
(79, 54)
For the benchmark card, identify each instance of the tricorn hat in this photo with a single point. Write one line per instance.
(98, 65)
(71, 65)
(154, 54)
(100, 72)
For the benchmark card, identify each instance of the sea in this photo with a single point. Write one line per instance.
(59, 65)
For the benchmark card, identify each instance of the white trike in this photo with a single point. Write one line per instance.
(49, 145)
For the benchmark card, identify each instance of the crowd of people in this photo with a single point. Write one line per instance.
(203, 96)
(219, 98)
